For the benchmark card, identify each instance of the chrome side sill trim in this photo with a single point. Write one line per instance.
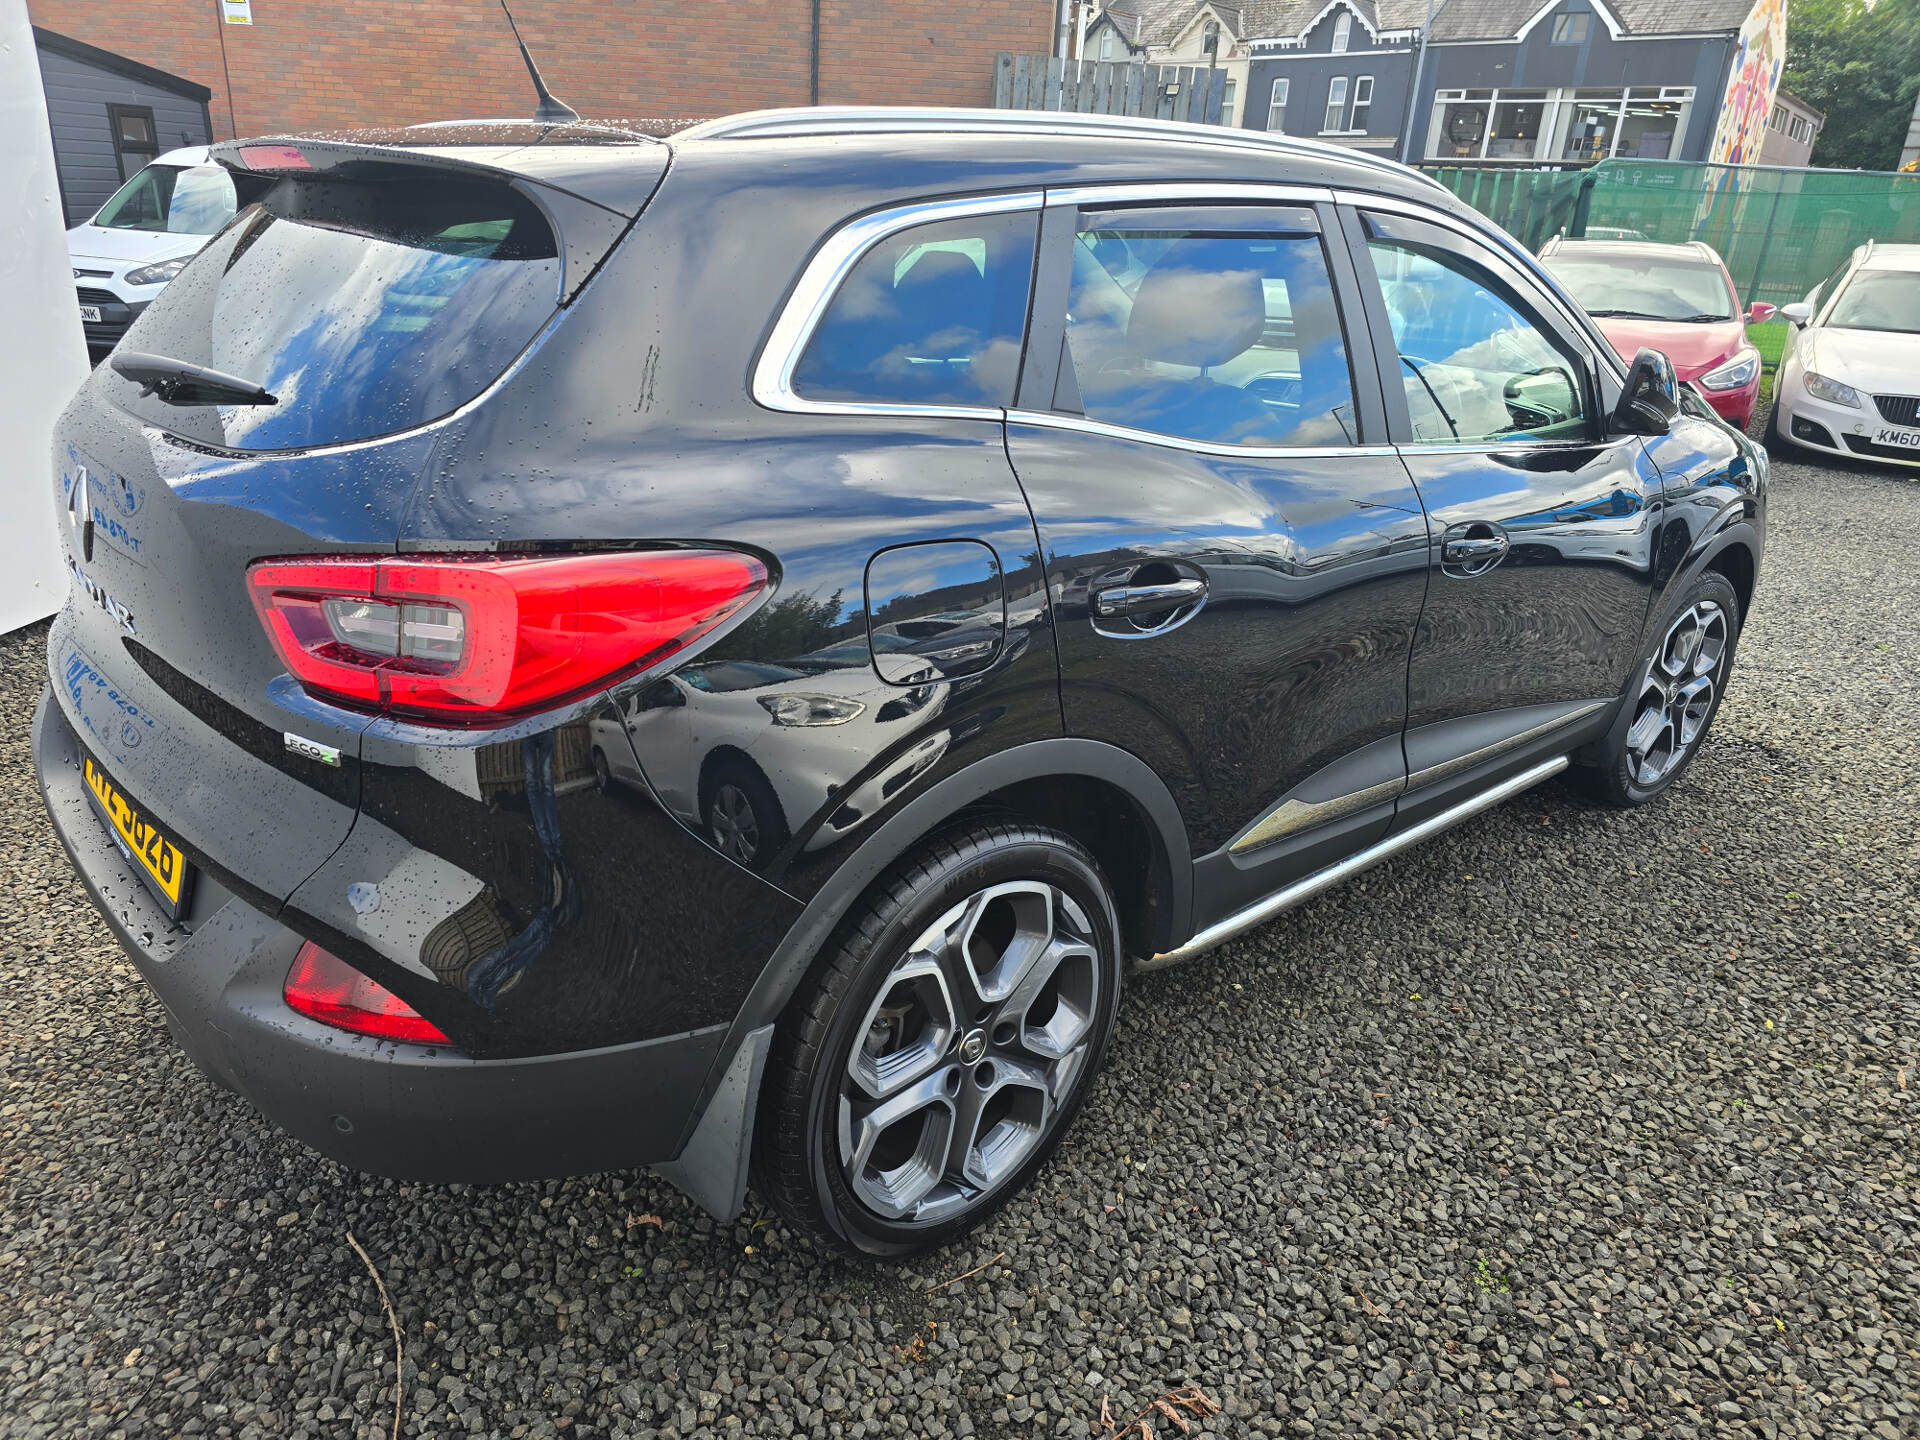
(1291, 816)
(1305, 889)
(1460, 764)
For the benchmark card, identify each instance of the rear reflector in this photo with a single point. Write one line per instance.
(462, 640)
(324, 987)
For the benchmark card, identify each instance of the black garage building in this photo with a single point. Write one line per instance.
(110, 116)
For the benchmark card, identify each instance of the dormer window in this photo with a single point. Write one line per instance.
(1342, 32)
(1106, 44)
(1210, 39)
(1571, 29)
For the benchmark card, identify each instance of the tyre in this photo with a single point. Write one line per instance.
(943, 1042)
(1770, 437)
(1677, 692)
(602, 772)
(742, 814)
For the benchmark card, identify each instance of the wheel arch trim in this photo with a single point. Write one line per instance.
(712, 1164)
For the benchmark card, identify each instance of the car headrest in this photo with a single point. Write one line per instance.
(1192, 308)
(941, 288)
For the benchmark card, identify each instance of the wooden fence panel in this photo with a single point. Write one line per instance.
(1109, 87)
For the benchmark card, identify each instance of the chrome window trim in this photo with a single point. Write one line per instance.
(1084, 426)
(1495, 447)
(772, 384)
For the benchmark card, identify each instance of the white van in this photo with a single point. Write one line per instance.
(152, 226)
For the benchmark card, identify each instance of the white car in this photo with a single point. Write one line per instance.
(1850, 377)
(709, 724)
(156, 222)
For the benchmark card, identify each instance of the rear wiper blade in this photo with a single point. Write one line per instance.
(178, 383)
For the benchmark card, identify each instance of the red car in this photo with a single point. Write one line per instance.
(1677, 299)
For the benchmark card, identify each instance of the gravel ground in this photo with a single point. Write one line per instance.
(1571, 1122)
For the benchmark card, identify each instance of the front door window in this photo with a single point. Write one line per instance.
(1474, 365)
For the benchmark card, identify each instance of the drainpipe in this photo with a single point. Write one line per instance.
(1413, 90)
(1063, 30)
(813, 56)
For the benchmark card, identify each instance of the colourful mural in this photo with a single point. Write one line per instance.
(1758, 59)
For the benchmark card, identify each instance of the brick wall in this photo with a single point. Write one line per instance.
(306, 64)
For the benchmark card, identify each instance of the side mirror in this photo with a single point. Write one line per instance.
(1760, 312)
(1651, 399)
(1798, 313)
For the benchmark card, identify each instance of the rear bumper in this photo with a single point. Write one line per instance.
(408, 1111)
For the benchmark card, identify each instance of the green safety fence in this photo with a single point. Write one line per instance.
(1780, 231)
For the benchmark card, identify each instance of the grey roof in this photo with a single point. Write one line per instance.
(1148, 22)
(1501, 19)
(1284, 19)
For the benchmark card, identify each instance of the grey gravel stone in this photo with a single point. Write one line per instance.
(1569, 1123)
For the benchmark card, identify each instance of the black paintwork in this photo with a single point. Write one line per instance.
(558, 888)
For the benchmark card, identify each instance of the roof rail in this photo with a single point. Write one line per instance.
(890, 119)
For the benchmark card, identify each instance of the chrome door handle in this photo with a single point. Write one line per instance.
(1134, 599)
(1465, 552)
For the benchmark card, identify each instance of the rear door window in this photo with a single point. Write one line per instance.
(1219, 327)
(932, 315)
(365, 306)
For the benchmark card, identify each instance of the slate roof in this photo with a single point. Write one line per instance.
(1157, 22)
(1500, 19)
(1284, 19)
(1149, 22)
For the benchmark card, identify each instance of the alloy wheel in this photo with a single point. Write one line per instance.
(1677, 698)
(735, 830)
(968, 1052)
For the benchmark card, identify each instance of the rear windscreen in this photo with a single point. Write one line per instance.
(365, 305)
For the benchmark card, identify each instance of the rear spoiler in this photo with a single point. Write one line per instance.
(590, 187)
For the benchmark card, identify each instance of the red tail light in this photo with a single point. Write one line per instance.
(466, 640)
(324, 987)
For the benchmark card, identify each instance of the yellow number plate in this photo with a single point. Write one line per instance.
(165, 866)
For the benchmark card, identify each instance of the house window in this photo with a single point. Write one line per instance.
(1277, 106)
(1518, 116)
(1210, 40)
(1362, 103)
(1342, 32)
(1336, 117)
(1228, 94)
(1571, 29)
(135, 141)
(1106, 44)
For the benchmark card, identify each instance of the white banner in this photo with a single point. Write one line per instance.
(45, 357)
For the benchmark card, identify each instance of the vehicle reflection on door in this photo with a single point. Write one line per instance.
(748, 752)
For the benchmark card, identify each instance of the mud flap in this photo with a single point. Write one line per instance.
(712, 1169)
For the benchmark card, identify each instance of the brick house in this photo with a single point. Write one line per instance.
(304, 64)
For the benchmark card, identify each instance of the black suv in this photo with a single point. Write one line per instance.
(593, 650)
